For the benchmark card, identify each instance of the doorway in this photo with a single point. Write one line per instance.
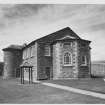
(47, 71)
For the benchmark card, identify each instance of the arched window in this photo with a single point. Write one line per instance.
(67, 58)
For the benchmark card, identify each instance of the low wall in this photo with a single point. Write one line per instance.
(98, 69)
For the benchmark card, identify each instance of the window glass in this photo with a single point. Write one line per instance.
(84, 60)
(83, 45)
(67, 45)
(33, 50)
(28, 52)
(47, 50)
(67, 58)
(24, 54)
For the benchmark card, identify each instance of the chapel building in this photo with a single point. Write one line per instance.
(60, 55)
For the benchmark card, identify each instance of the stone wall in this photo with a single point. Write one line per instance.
(76, 69)
(44, 62)
(57, 60)
(1, 68)
(12, 60)
(84, 71)
(70, 71)
(59, 70)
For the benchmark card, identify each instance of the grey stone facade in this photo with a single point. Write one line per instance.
(76, 70)
(32, 61)
(12, 61)
(53, 66)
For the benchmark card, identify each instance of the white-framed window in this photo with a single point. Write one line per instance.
(33, 50)
(83, 60)
(67, 45)
(67, 59)
(28, 52)
(24, 54)
(47, 51)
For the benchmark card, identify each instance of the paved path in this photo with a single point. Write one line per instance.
(80, 91)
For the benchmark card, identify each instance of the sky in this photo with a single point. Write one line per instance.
(23, 23)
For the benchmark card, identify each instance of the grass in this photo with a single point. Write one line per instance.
(11, 91)
(96, 85)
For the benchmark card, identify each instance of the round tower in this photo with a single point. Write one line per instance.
(12, 60)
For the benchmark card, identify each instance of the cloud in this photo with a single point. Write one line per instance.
(22, 10)
(10, 14)
(49, 13)
(98, 27)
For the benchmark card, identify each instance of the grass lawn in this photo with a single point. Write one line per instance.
(96, 85)
(11, 91)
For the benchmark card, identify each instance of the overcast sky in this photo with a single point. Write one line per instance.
(23, 23)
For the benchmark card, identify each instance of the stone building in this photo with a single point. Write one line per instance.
(12, 60)
(60, 55)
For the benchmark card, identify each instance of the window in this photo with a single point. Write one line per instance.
(67, 45)
(24, 54)
(31, 51)
(83, 45)
(84, 60)
(28, 53)
(67, 59)
(47, 50)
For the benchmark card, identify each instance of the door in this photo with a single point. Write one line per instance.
(26, 74)
(48, 72)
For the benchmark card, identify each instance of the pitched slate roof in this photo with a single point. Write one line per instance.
(58, 34)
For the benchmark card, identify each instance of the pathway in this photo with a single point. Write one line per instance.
(80, 91)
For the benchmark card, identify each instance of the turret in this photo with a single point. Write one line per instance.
(12, 60)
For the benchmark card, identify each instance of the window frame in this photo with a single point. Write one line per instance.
(28, 53)
(66, 43)
(31, 51)
(70, 57)
(24, 55)
(47, 48)
(85, 62)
